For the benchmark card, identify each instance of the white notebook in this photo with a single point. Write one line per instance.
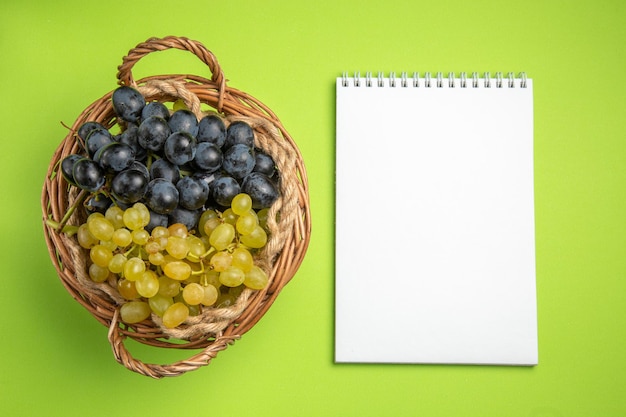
(435, 228)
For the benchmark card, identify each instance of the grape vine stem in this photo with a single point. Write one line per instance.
(61, 225)
(67, 229)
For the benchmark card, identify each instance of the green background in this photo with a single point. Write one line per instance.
(57, 57)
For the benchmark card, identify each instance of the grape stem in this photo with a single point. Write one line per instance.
(61, 226)
(201, 271)
(129, 251)
(201, 260)
(201, 257)
(67, 229)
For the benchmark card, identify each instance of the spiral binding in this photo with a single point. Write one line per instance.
(438, 81)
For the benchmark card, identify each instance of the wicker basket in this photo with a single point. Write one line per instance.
(215, 328)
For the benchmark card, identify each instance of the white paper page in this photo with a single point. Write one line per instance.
(435, 243)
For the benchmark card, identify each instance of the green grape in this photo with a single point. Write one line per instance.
(205, 241)
(133, 218)
(159, 232)
(210, 225)
(127, 289)
(148, 285)
(101, 228)
(144, 213)
(194, 277)
(257, 239)
(196, 248)
(221, 261)
(178, 247)
(194, 310)
(225, 300)
(193, 294)
(168, 287)
(236, 291)
(134, 312)
(94, 215)
(156, 259)
(232, 276)
(159, 303)
(177, 270)
(134, 268)
(210, 295)
(262, 215)
(206, 216)
(242, 259)
(179, 104)
(256, 278)
(152, 246)
(85, 238)
(175, 315)
(98, 273)
(117, 262)
(140, 236)
(229, 216)
(109, 244)
(178, 229)
(122, 237)
(100, 255)
(241, 203)
(211, 277)
(246, 223)
(179, 298)
(162, 242)
(222, 236)
(167, 258)
(115, 214)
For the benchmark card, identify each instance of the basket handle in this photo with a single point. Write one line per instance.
(156, 371)
(125, 75)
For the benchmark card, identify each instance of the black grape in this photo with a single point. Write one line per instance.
(208, 157)
(163, 168)
(96, 139)
(261, 190)
(152, 133)
(161, 196)
(238, 160)
(67, 167)
(128, 103)
(85, 129)
(207, 177)
(224, 189)
(184, 121)
(180, 148)
(239, 133)
(88, 175)
(156, 219)
(264, 164)
(129, 186)
(115, 157)
(139, 166)
(129, 137)
(192, 192)
(155, 108)
(212, 129)
(187, 217)
(98, 203)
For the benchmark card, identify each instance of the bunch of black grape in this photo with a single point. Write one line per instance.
(172, 162)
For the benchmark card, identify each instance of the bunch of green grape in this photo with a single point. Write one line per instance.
(170, 271)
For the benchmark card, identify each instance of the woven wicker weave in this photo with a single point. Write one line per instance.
(216, 328)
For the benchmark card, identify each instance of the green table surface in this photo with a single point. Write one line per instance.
(57, 57)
